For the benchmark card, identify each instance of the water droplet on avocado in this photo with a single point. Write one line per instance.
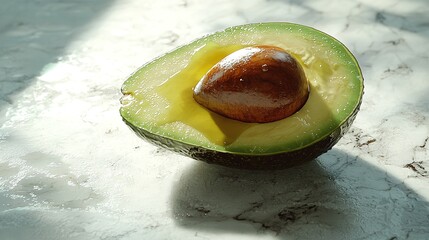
(264, 67)
(126, 99)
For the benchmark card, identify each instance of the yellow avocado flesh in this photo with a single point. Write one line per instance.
(158, 97)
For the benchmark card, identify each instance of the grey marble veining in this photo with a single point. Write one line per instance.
(70, 169)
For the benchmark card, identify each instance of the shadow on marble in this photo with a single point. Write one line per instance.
(339, 196)
(34, 34)
(415, 22)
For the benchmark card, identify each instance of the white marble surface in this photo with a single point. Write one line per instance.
(70, 169)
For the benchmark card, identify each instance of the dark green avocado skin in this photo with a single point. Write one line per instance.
(255, 162)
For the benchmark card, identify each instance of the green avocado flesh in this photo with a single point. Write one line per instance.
(157, 100)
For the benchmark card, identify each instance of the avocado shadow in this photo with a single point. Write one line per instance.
(338, 196)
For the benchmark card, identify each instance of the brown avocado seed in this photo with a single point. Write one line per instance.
(254, 84)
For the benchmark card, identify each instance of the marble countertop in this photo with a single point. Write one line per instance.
(71, 169)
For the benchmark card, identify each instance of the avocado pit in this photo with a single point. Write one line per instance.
(255, 84)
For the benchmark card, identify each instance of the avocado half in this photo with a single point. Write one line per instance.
(157, 100)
